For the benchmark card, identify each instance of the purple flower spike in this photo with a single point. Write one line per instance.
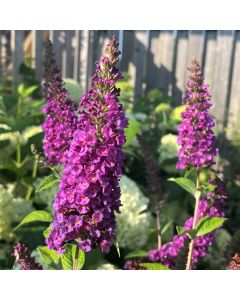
(23, 258)
(89, 188)
(196, 138)
(211, 206)
(61, 120)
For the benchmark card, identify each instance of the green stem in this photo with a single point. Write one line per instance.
(35, 166)
(34, 175)
(19, 106)
(159, 239)
(191, 245)
(18, 152)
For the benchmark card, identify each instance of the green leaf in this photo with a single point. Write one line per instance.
(136, 253)
(131, 131)
(180, 230)
(81, 256)
(191, 233)
(25, 92)
(47, 231)
(162, 107)
(166, 226)
(47, 182)
(186, 184)
(68, 257)
(36, 216)
(117, 248)
(206, 225)
(154, 266)
(49, 257)
(28, 91)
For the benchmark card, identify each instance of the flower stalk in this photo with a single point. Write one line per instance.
(197, 198)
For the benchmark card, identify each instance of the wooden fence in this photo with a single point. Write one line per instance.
(154, 59)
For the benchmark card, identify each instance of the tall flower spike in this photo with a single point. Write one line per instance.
(196, 138)
(210, 206)
(23, 258)
(61, 120)
(89, 193)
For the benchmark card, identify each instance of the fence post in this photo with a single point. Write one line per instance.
(137, 66)
(37, 51)
(17, 38)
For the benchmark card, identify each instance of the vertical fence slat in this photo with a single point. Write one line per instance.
(181, 66)
(127, 49)
(85, 58)
(234, 111)
(195, 45)
(17, 37)
(77, 47)
(136, 67)
(167, 39)
(210, 57)
(37, 51)
(68, 48)
(154, 55)
(55, 36)
(221, 75)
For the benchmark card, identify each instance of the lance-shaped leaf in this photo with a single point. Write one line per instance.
(154, 266)
(187, 184)
(36, 216)
(47, 182)
(207, 225)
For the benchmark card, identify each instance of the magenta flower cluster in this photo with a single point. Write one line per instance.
(61, 119)
(89, 193)
(211, 206)
(23, 258)
(196, 138)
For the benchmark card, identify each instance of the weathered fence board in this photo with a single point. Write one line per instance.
(181, 65)
(221, 75)
(17, 53)
(37, 53)
(137, 66)
(234, 105)
(153, 59)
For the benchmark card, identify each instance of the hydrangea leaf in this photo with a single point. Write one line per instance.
(206, 225)
(47, 182)
(154, 266)
(187, 184)
(36, 216)
(132, 130)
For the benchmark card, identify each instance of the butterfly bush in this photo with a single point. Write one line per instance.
(210, 206)
(24, 259)
(89, 192)
(61, 119)
(196, 138)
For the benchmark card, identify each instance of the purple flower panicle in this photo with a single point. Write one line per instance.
(61, 120)
(23, 258)
(89, 193)
(211, 206)
(196, 138)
